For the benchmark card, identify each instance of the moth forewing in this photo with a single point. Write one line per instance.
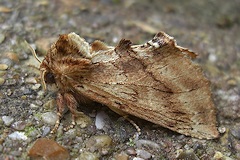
(155, 81)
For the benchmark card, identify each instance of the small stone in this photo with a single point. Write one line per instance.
(138, 158)
(2, 73)
(101, 120)
(18, 136)
(143, 154)
(99, 142)
(45, 148)
(36, 86)
(212, 57)
(33, 106)
(27, 91)
(131, 151)
(121, 156)
(49, 118)
(142, 142)
(222, 130)
(235, 131)
(188, 154)
(5, 9)
(83, 121)
(50, 104)
(31, 80)
(19, 125)
(71, 133)
(46, 131)
(1, 148)
(3, 67)
(7, 120)
(219, 156)
(6, 61)
(2, 80)
(88, 156)
(12, 56)
(2, 37)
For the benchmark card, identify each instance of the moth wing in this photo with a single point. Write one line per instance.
(156, 82)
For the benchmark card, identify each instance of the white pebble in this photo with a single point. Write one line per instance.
(212, 57)
(7, 120)
(143, 154)
(36, 86)
(101, 119)
(18, 136)
(143, 142)
(33, 106)
(49, 118)
(137, 158)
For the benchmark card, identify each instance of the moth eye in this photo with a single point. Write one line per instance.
(49, 78)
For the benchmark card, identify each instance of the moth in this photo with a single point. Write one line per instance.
(156, 81)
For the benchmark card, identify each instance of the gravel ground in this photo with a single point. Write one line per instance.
(211, 28)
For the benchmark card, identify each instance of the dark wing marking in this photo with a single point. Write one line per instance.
(156, 82)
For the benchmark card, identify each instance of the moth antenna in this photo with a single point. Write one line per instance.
(42, 79)
(33, 52)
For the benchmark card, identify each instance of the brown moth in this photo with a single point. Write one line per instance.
(156, 81)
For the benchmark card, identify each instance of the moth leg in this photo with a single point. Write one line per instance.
(60, 107)
(125, 116)
(72, 104)
(135, 125)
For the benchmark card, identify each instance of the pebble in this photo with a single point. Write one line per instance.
(2, 80)
(220, 156)
(7, 61)
(83, 121)
(36, 86)
(222, 130)
(45, 148)
(31, 80)
(12, 56)
(33, 106)
(7, 120)
(2, 73)
(121, 156)
(235, 131)
(212, 57)
(19, 125)
(49, 118)
(46, 131)
(27, 91)
(142, 142)
(5, 9)
(2, 37)
(71, 133)
(138, 158)
(131, 151)
(101, 120)
(98, 142)
(18, 136)
(87, 156)
(3, 67)
(50, 104)
(143, 154)
(187, 154)
(1, 148)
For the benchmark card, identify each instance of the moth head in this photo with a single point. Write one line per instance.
(47, 77)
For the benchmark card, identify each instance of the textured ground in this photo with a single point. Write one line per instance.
(211, 28)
